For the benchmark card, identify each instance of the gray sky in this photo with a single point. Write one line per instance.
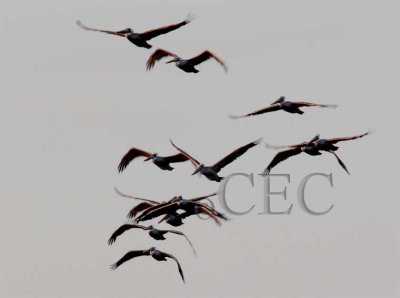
(74, 101)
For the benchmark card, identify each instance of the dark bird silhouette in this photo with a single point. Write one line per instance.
(155, 253)
(153, 232)
(140, 39)
(149, 205)
(211, 172)
(287, 106)
(312, 147)
(163, 162)
(188, 206)
(187, 65)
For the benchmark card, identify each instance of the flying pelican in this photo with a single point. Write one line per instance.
(163, 162)
(187, 65)
(140, 39)
(155, 253)
(313, 147)
(181, 204)
(288, 106)
(173, 218)
(153, 232)
(211, 172)
(147, 204)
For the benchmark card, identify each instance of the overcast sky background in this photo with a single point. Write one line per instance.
(73, 102)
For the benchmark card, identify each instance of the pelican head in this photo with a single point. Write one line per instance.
(173, 60)
(316, 138)
(151, 157)
(201, 166)
(150, 227)
(152, 250)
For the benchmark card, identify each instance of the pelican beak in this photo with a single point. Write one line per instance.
(173, 60)
(197, 170)
(164, 218)
(148, 158)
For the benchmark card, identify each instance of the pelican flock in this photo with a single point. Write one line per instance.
(173, 211)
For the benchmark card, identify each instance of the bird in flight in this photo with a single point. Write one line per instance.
(147, 204)
(153, 232)
(141, 39)
(163, 162)
(187, 65)
(153, 252)
(288, 106)
(312, 147)
(188, 206)
(211, 172)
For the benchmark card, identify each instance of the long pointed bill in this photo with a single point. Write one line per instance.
(173, 60)
(148, 158)
(197, 170)
(164, 218)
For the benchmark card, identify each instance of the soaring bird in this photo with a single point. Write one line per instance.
(187, 65)
(163, 162)
(288, 106)
(147, 204)
(211, 172)
(312, 147)
(155, 253)
(153, 232)
(140, 39)
(188, 206)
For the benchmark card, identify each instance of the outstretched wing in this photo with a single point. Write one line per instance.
(130, 255)
(119, 33)
(234, 155)
(270, 108)
(281, 156)
(182, 234)
(156, 56)
(336, 140)
(310, 104)
(340, 162)
(123, 229)
(131, 155)
(139, 208)
(194, 161)
(206, 55)
(180, 157)
(132, 197)
(176, 158)
(176, 260)
(158, 210)
(163, 30)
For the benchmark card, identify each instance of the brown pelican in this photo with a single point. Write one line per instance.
(155, 253)
(153, 232)
(140, 39)
(146, 204)
(211, 172)
(163, 162)
(312, 147)
(187, 65)
(287, 106)
(181, 204)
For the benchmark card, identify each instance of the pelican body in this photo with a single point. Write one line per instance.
(209, 172)
(160, 161)
(185, 65)
(155, 253)
(137, 40)
(140, 39)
